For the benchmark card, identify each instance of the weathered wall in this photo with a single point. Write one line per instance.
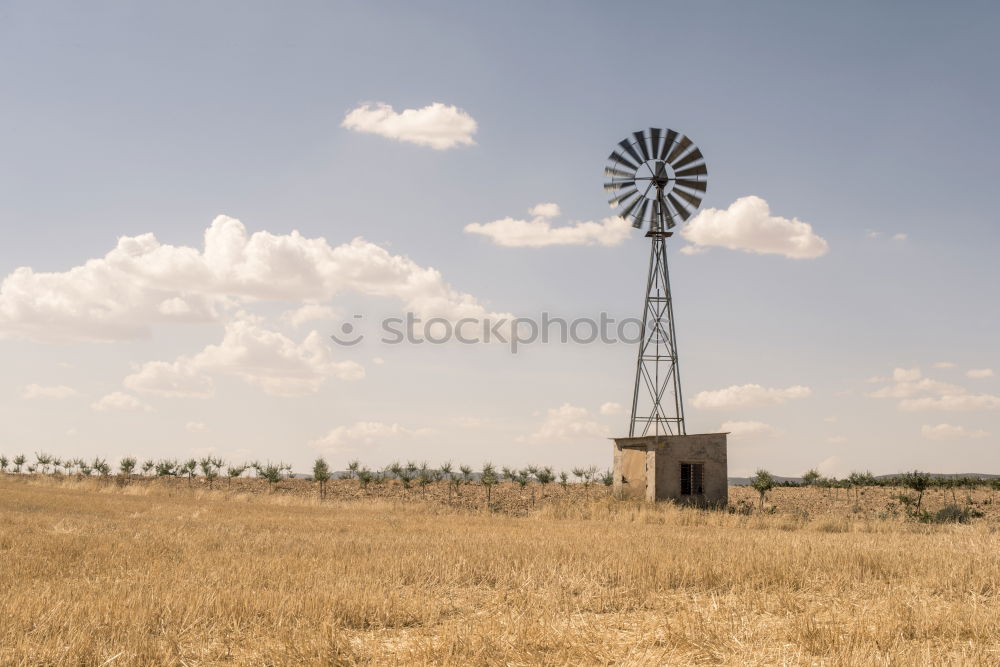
(709, 449)
(630, 473)
(657, 459)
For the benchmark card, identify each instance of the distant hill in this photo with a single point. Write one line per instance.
(745, 481)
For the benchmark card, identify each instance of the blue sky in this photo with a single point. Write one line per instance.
(863, 121)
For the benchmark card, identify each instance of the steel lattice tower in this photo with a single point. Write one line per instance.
(657, 403)
(659, 178)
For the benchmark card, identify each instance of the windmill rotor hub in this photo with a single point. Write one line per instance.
(661, 174)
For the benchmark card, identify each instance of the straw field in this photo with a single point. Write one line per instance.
(102, 574)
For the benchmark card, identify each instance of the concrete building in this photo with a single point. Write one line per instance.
(684, 468)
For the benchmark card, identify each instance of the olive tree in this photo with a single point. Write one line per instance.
(321, 473)
(918, 482)
(126, 466)
(210, 469)
(232, 472)
(43, 461)
(487, 478)
(102, 468)
(762, 482)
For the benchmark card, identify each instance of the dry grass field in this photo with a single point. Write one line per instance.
(100, 574)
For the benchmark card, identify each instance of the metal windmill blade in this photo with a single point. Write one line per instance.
(658, 178)
(668, 142)
(654, 140)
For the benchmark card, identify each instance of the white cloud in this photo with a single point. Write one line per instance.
(830, 420)
(612, 408)
(566, 423)
(274, 362)
(910, 389)
(979, 373)
(949, 432)
(438, 125)
(263, 358)
(121, 295)
(538, 232)
(872, 234)
(748, 429)
(310, 312)
(52, 391)
(378, 361)
(915, 392)
(748, 396)
(347, 439)
(195, 427)
(748, 225)
(119, 402)
(545, 210)
(181, 378)
(952, 403)
(906, 374)
(899, 237)
(836, 439)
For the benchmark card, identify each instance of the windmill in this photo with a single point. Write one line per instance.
(658, 178)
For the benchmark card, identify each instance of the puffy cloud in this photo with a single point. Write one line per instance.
(119, 402)
(347, 439)
(909, 389)
(900, 237)
(51, 391)
(915, 392)
(836, 439)
(949, 432)
(142, 282)
(565, 423)
(195, 427)
(748, 225)
(943, 364)
(263, 358)
(906, 374)
(181, 378)
(748, 396)
(545, 210)
(438, 125)
(612, 408)
(979, 373)
(274, 362)
(538, 232)
(748, 429)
